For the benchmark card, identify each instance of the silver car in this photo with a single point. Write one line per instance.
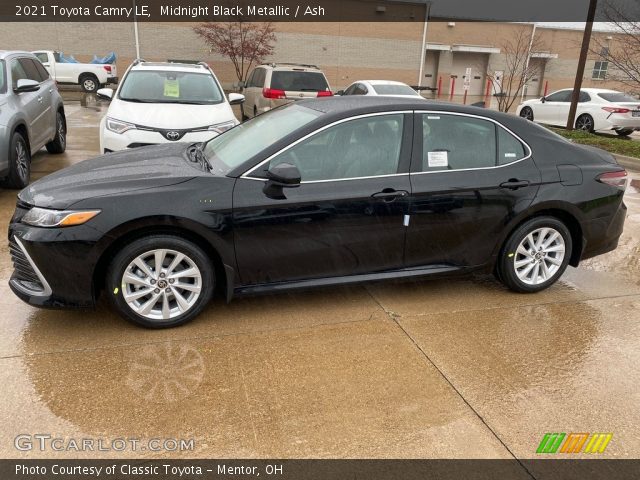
(31, 116)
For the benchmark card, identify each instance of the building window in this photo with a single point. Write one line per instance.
(600, 71)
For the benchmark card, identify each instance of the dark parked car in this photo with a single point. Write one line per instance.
(318, 192)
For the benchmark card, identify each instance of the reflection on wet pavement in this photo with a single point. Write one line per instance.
(450, 368)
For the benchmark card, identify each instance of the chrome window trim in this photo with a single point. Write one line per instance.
(45, 285)
(247, 174)
(500, 125)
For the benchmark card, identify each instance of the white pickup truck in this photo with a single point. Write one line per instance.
(90, 76)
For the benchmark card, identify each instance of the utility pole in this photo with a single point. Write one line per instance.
(423, 48)
(586, 39)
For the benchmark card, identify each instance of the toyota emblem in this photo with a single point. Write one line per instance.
(173, 135)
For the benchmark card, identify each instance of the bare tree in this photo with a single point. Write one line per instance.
(244, 43)
(518, 69)
(621, 48)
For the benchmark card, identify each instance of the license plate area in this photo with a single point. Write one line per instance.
(635, 113)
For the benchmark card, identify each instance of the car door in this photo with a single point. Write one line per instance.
(249, 101)
(469, 176)
(36, 71)
(552, 110)
(31, 103)
(347, 215)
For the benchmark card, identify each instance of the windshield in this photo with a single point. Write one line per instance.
(157, 86)
(229, 150)
(617, 97)
(298, 81)
(394, 90)
(3, 78)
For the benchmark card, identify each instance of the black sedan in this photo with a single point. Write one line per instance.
(319, 192)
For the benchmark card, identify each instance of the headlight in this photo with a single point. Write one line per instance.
(118, 126)
(222, 127)
(43, 217)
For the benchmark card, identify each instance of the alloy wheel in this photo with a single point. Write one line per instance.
(161, 284)
(89, 85)
(527, 114)
(584, 123)
(62, 133)
(22, 160)
(539, 256)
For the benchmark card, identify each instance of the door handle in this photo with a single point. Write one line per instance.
(389, 194)
(51, 90)
(514, 184)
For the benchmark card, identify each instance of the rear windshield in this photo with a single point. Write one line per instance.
(3, 78)
(298, 81)
(617, 97)
(237, 145)
(158, 86)
(394, 90)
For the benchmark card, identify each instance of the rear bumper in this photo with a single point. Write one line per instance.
(111, 80)
(601, 235)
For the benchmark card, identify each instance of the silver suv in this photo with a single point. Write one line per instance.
(271, 85)
(31, 116)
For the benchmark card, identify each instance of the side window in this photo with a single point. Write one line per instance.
(43, 57)
(350, 90)
(250, 80)
(17, 73)
(364, 147)
(457, 142)
(29, 67)
(584, 97)
(258, 79)
(360, 89)
(564, 96)
(510, 149)
(44, 75)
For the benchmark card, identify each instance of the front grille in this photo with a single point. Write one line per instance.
(23, 271)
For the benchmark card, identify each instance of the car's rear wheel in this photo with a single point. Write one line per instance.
(535, 255)
(160, 281)
(59, 142)
(585, 123)
(623, 132)
(527, 113)
(89, 83)
(19, 162)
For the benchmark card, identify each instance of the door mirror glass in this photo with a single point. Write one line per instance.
(105, 93)
(236, 98)
(26, 85)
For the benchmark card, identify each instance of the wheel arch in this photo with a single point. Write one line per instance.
(131, 231)
(567, 213)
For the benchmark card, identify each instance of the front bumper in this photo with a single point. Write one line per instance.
(53, 267)
(114, 142)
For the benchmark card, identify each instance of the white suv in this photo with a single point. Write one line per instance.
(165, 102)
(269, 86)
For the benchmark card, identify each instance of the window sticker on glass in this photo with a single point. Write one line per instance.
(438, 159)
(433, 118)
(171, 88)
(510, 155)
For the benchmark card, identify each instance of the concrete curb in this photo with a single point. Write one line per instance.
(628, 162)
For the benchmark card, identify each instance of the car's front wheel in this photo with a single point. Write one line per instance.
(527, 113)
(160, 281)
(535, 255)
(19, 162)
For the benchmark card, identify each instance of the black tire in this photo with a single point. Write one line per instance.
(116, 287)
(244, 117)
(624, 132)
(506, 265)
(527, 113)
(19, 162)
(59, 142)
(89, 83)
(585, 123)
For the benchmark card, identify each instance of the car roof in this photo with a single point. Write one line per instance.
(7, 53)
(590, 90)
(363, 102)
(383, 82)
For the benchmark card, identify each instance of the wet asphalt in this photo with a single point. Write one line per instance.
(449, 368)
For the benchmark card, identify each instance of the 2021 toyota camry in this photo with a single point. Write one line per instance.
(318, 192)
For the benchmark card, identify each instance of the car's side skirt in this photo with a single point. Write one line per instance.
(349, 279)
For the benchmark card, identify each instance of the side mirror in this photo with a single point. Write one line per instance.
(339, 93)
(236, 98)
(105, 93)
(543, 99)
(26, 85)
(283, 175)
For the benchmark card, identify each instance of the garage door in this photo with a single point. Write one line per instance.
(478, 64)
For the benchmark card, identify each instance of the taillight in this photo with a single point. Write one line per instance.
(107, 68)
(615, 179)
(272, 93)
(325, 93)
(616, 110)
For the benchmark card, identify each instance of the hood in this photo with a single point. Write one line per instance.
(170, 116)
(140, 168)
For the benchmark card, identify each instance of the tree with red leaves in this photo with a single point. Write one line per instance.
(244, 43)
